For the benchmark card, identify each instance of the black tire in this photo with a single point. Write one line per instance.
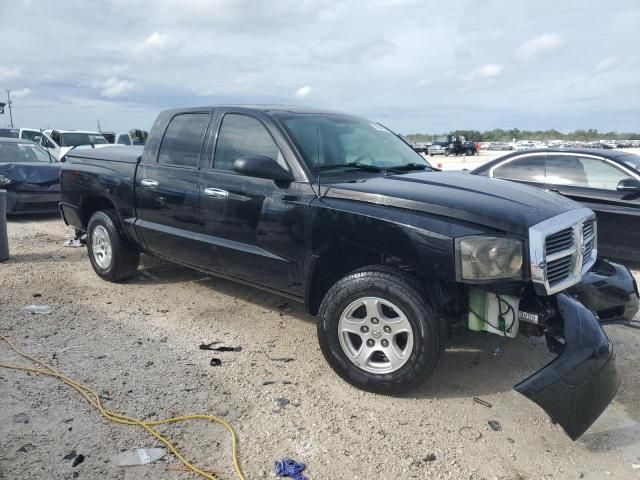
(124, 257)
(403, 290)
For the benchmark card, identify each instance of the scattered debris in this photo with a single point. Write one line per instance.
(139, 456)
(73, 243)
(227, 349)
(38, 309)
(208, 346)
(510, 440)
(282, 402)
(148, 364)
(36, 295)
(284, 308)
(78, 460)
(268, 382)
(482, 402)
(22, 418)
(495, 425)
(215, 362)
(431, 457)
(26, 448)
(291, 469)
(164, 339)
(71, 455)
(497, 352)
(284, 359)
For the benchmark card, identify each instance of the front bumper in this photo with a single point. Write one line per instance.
(32, 202)
(576, 387)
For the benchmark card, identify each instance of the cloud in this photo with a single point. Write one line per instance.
(9, 73)
(114, 87)
(303, 92)
(485, 72)
(151, 46)
(20, 92)
(606, 64)
(544, 43)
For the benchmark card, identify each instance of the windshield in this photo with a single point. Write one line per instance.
(32, 135)
(631, 160)
(76, 138)
(9, 132)
(23, 152)
(328, 141)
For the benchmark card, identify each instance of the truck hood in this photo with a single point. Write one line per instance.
(500, 204)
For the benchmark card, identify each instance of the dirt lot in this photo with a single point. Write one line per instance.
(137, 344)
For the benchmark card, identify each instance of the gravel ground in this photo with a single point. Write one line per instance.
(137, 344)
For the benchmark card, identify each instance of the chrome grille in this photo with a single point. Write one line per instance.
(561, 249)
(588, 240)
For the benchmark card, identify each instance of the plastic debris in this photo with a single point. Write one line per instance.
(484, 403)
(497, 352)
(78, 460)
(215, 362)
(73, 243)
(38, 309)
(139, 456)
(291, 469)
(431, 457)
(71, 455)
(208, 346)
(284, 359)
(227, 349)
(495, 425)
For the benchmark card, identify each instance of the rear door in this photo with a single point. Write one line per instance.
(593, 181)
(167, 190)
(253, 227)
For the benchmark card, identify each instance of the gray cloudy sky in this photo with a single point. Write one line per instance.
(417, 66)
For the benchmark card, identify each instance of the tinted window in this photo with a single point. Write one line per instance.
(631, 160)
(241, 136)
(579, 171)
(31, 135)
(124, 140)
(182, 141)
(76, 139)
(9, 133)
(528, 169)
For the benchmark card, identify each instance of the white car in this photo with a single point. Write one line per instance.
(59, 142)
(126, 138)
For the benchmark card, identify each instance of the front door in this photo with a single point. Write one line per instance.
(593, 182)
(252, 226)
(167, 190)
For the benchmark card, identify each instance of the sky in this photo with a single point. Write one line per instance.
(417, 66)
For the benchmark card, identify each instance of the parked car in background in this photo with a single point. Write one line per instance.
(9, 133)
(29, 174)
(110, 136)
(606, 181)
(33, 134)
(132, 137)
(59, 142)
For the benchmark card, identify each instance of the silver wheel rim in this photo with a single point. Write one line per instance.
(101, 247)
(375, 335)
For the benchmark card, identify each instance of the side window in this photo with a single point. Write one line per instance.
(576, 171)
(55, 136)
(182, 141)
(45, 142)
(527, 169)
(240, 136)
(124, 139)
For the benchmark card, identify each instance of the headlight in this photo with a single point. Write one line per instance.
(489, 258)
(4, 181)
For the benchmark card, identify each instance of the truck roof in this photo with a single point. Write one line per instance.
(268, 108)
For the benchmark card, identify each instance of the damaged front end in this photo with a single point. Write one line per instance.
(576, 387)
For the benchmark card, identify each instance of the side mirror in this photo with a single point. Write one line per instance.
(629, 185)
(261, 166)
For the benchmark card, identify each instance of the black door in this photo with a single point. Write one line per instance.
(252, 226)
(593, 182)
(168, 195)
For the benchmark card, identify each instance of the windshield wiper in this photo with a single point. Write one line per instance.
(408, 167)
(356, 165)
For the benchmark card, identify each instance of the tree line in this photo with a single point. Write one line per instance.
(501, 135)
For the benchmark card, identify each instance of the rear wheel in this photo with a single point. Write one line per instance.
(112, 255)
(378, 332)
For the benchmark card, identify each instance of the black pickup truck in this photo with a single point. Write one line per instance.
(339, 213)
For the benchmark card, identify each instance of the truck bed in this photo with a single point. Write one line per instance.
(123, 154)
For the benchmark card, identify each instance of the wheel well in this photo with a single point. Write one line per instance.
(337, 261)
(92, 205)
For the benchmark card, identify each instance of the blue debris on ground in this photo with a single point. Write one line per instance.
(291, 469)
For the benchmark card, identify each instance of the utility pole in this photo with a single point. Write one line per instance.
(9, 104)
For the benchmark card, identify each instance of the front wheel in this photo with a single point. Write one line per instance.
(378, 332)
(112, 255)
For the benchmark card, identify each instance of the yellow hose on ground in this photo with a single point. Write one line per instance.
(92, 397)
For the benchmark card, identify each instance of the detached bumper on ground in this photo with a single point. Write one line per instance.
(576, 387)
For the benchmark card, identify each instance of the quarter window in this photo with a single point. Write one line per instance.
(183, 139)
(241, 136)
(524, 169)
(577, 171)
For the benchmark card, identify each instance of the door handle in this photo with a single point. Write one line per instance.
(216, 193)
(149, 183)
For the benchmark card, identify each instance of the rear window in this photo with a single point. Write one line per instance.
(22, 152)
(524, 169)
(76, 139)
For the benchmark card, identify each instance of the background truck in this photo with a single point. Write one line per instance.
(452, 145)
(339, 213)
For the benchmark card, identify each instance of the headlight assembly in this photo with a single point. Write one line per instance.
(485, 257)
(4, 181)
